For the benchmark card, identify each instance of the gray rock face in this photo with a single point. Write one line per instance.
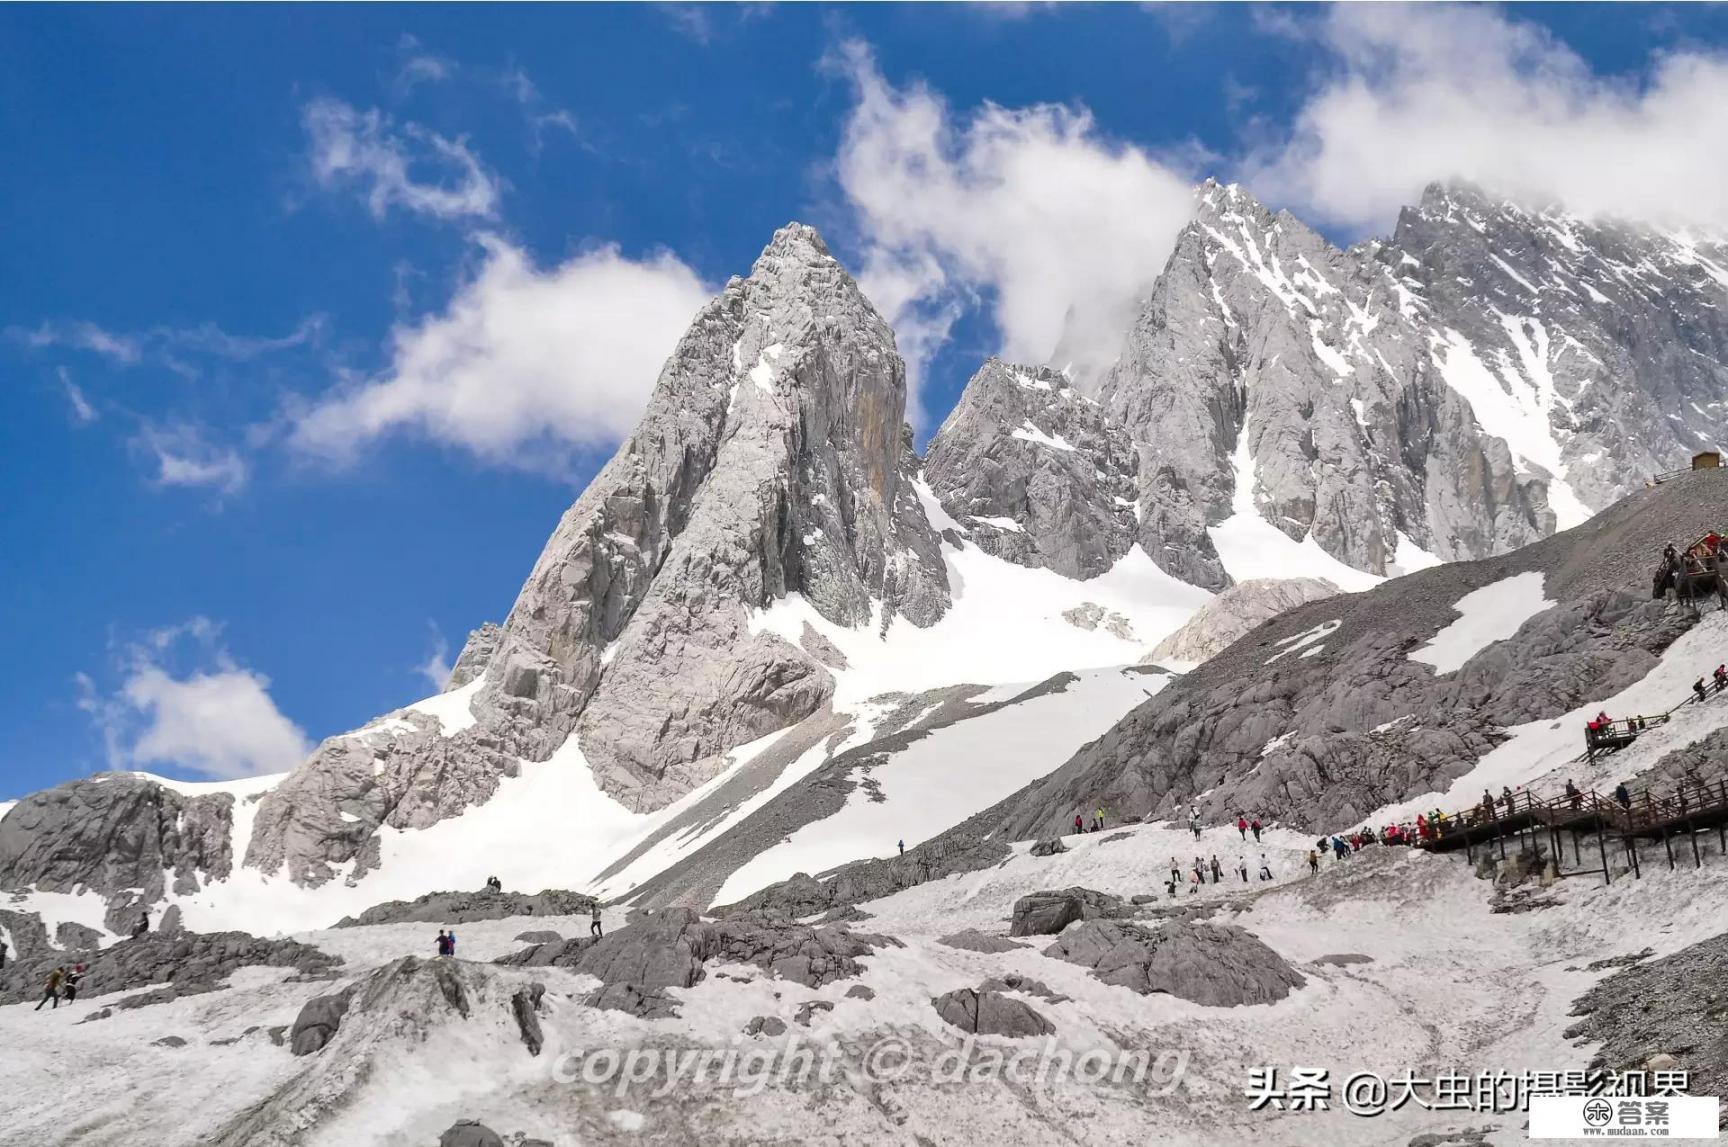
(1267, 359)
(773, 459)
(990, 1013)
(466, 907)
(1216, 965)
(1237, 611)
(1047, 913)
(1036, 472)
(118, 834)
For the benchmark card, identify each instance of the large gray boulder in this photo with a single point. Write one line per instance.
(1047, 913)
(470, 1133)
(317, 1023)
(990, 1013)
(1217, 965)
(972, 940)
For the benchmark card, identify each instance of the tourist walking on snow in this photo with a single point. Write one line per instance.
(1254, 826)
(594, 928)
(1313, 862)
(1721, 677)
(1265, 868)
(1098, 825)
(1194, 882)
(1242, 869)
(1217, 869)
(1242, 826)
(443, 942)
(51, 991)
(1623, 795)
(70, 985)
(1698, 689)
(1079, 823)
(1175, 871)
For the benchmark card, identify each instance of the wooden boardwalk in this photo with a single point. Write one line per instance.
(1694, 806)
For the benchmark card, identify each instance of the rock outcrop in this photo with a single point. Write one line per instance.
(1235, 612)
(1217, 965)
(466, 907)
(669, 948)
(1047, 913)
(990, 1013)
(188, 963)
(1036, 472)
(118, 834)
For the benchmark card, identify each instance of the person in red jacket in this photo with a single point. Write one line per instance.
(1242, 825)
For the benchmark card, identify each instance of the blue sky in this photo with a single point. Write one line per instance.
(312, 321)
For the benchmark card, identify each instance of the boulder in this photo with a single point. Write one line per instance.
(1047, 913)
(317, 1023)
(470, 1133)
(540, 936)
(1049, 847)
(525, 1006)
(972, 940)
(990, 1013)
(765, 1026)
(169, 1041)
(1213, 964)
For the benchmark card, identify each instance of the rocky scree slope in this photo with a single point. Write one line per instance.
(1319, 742)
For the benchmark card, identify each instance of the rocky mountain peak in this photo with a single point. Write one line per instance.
(1036, 471)
(773, 459)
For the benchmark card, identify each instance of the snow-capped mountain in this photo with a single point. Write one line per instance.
(764, 594)
(1485, 376)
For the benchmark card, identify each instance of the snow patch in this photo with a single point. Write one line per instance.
(1492, 613)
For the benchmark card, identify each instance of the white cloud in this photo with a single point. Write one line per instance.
(169, 346)
(217, 719)
(409, 167)
(417, 66)
(521, 357)
(83, 413)
(436, 668)
(123, 349)
(1412, 94)
(182, 456)
(1058, 227)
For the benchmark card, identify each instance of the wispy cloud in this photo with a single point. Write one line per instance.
(167, 345)
(83, 413)
(415, 66)
(81, 335)
(182, 455)
(392, 166)
(692, 21)
(436, 668)
(183, 701)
